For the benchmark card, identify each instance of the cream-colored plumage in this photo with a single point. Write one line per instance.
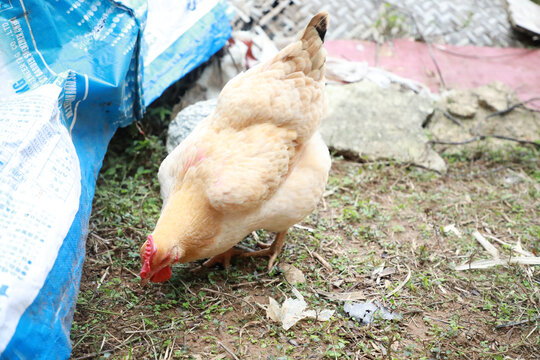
(257, 162)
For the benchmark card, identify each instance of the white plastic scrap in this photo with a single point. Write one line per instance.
(294, 310)
(452, 228)
(366, 312)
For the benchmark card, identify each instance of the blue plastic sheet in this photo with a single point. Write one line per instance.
(71, 73)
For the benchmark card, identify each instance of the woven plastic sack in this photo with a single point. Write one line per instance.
(71, 73)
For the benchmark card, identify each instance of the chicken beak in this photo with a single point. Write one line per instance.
(163, 273)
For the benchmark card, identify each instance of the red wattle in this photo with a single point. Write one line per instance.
(149, 252)
(162, 275)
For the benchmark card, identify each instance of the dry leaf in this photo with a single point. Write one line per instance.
(484, 264)
(293, 310)
(492, 250)
(292, 274)
(348, 296)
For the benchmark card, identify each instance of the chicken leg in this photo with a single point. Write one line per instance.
(271, 250)
(224, 258)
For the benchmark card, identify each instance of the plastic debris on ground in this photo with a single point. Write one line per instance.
(293, 310)
(72, 73)
(367, 312)
(245, 49)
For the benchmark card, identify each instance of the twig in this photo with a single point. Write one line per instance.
(483, 137)
(95, 354)
(264, 282)
(188, 288)
(423, 38)
(228, 350)
(104, 311)
(322, 260)
(432, 56)
(512, 107)
(298, 226)
(504, 137)
(249, 323)
(400, 286)
(439, 320)
(452, 118)
(131, 271)
(473, 139)
(170, 348)
(224, 293)
(100, 282)
(151, 340)
(517, 323)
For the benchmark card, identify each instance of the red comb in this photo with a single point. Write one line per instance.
(147, 256)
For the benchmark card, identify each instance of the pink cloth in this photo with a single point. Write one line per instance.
(461, 66)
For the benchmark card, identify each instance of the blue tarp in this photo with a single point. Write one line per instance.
(71, 73)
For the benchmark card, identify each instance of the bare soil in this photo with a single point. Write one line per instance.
(373, 215)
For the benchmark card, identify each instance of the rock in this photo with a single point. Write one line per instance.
(362, 118)
(520, 123)
(186, 120)
(495, 96)
(462, 103)
(366, 120)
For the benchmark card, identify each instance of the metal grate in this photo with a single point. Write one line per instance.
(458, 22)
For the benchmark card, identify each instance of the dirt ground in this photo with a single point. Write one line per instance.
(378, 232)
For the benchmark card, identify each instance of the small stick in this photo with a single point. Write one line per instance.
(512, 107)
(100, 282)
(224, 293)
(304, 228)
(439, 320)
(400, 286)
(228, 350)
(322, 260)
(517, 323)
(454, 120)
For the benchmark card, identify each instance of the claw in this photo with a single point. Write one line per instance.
(224, 259)
(270, 250)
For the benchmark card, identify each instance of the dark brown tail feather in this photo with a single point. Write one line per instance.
(320, 23)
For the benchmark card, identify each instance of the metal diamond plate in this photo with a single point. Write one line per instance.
(457, 22)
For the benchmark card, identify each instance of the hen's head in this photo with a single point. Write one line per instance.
(156, 263)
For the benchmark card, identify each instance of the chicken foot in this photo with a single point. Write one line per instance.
(223, 258)
(271, 250)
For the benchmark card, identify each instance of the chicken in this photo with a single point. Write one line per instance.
(258, 162)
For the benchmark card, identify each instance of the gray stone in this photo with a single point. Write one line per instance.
(495, 96)
(186, 120)
(519, 124)
(462, 103)
(366, 120)
(362, 118)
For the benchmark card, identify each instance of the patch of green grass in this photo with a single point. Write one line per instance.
(373, 215)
